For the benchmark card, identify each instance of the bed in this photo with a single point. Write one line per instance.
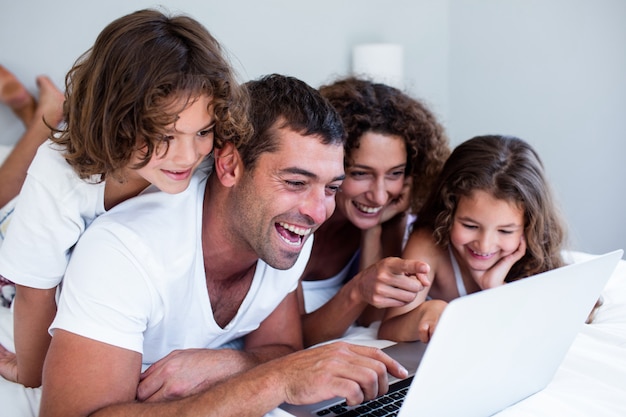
(591, 381)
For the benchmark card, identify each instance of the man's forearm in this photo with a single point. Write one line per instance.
(249, 394)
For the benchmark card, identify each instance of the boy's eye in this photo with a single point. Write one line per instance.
(206, 132)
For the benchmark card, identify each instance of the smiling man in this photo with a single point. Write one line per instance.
(165, 283)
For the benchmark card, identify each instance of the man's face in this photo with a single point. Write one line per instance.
(287, 196)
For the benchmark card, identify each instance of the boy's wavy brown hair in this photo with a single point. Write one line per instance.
(143, 69)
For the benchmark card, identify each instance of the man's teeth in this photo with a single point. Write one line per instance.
(368, 209)
(297, 230)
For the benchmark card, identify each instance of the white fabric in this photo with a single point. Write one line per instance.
(136, 280)
(53, 209)
(318, 293)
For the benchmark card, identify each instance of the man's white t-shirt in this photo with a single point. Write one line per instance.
(136, 280)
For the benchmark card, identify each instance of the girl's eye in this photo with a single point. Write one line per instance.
(506, 232)
(167, 138)
(469, 226)
(357, 173)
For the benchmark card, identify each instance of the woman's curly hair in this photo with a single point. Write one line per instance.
(366, 106)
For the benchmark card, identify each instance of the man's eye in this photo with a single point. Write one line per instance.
(333, 189)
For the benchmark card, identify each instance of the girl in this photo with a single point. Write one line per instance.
(141, 107)
(490, 219)
(394, 149)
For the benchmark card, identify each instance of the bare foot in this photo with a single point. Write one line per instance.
(16, 96)
(50, 105)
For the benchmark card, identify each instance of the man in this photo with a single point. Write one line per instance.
(166, 281)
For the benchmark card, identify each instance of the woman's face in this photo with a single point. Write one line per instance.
(374, 177)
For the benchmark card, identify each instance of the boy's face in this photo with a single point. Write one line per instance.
(190, 140)
(287, 196)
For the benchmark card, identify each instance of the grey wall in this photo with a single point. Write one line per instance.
(553, 73)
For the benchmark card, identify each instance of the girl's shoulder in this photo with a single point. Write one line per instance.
(421, 246)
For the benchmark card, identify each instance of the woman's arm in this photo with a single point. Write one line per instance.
(390, 282)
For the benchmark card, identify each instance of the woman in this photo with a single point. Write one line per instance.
(394, 150)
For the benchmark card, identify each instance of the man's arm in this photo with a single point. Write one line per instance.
(186, 372)
(82, 375)
(357, 373)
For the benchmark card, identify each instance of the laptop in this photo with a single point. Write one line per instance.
(491, 349)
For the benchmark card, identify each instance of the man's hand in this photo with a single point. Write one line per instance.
(391, 282)
(8, 364)
(186, 372)
(496, 275)
(357, 373)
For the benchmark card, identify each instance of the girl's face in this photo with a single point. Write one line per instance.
(484, 230)
(190, 140)
(373, 179)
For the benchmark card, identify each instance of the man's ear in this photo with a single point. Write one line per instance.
(228, 166)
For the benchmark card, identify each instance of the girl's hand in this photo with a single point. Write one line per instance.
(495, 276)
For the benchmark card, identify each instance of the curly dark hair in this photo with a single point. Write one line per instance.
(366, 106)
(119, 94)
(279, 101)
(509, 169)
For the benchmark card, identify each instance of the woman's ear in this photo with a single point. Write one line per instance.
(227, 164)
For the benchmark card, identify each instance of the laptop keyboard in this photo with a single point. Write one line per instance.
(383, 406)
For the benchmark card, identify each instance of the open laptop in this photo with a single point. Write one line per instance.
(491, 349)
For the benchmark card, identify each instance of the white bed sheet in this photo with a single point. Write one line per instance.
(591, 381)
